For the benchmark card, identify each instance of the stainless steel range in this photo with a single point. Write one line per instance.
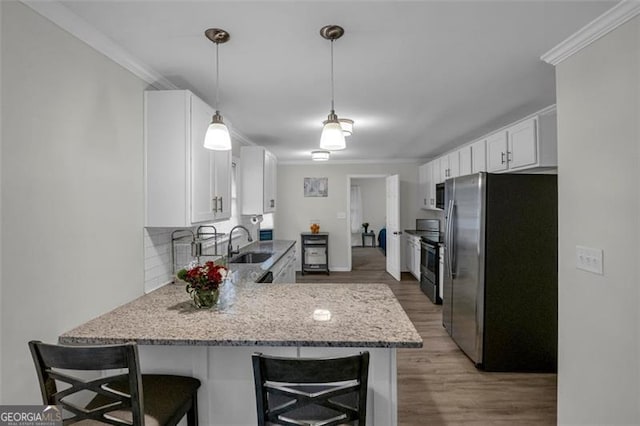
(431, 238)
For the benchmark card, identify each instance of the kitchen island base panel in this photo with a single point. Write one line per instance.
(227, 395)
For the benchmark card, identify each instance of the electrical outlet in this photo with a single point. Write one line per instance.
(589, 259)
(341, 215)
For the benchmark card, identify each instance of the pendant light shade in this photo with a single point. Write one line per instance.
(332, 137)
(347, 126)
(217, 137)
(320, 155)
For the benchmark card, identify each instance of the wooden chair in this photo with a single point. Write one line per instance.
(299, 391)
(127, 398)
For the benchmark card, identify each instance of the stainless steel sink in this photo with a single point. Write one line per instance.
(251, 257)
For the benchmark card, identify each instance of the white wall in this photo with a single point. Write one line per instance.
(598, 96)
(72, 189)
(372, 191)
(295, 211)
(1, 206)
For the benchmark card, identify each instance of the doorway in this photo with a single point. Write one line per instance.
(366, 222)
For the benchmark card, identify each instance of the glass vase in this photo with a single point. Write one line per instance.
(205, 299)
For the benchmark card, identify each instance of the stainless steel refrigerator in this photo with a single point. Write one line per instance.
(500, 301)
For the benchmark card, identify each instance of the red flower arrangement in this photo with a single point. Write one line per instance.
(207, 277)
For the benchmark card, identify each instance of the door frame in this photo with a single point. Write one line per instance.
(348, 227)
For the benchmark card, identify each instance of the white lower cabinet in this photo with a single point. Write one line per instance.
(284, 270)
(412, 250)
(185, 183)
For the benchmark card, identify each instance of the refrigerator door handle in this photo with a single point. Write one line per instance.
(449, 239)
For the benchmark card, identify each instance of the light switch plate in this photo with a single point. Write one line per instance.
(589, 259)
(341, 215)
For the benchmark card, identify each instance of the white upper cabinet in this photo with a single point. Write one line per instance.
(530, 143)
(449, 166)
(185, 184)
(426, 186)
(497, 152)
(465, 161)
(259, 180)
(479, 156)
(521, 148)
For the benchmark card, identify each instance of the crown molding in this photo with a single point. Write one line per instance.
(603, 24)
(348, 162)
(67, 20)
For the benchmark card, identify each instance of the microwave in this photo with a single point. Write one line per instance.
(440, 196)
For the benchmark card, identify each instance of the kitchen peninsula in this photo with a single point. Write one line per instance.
(215, 345)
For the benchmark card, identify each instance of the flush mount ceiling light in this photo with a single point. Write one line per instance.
(347, 126)
(320, 155)
(217, 136)
(332, 137)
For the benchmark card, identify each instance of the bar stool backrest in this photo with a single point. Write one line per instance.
(307, 391)
(51, 358)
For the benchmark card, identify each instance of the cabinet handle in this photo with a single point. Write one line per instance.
(425, 201)
(273, 203)
(214, 204)
(509, 156)
(502, 157)
(221, 205)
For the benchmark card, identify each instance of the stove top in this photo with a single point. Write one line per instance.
(435, 237)
(432, 237)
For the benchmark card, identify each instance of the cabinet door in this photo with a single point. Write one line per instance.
(454, 164)
(416, 259)
(465, 161)
(408, 250)
(444, 168)
(222, 178)
(435, 175)
(479, 156)
(522, 144)
(497, 152)
(269, 182)
(202, 178)
(435, 170)
(424, 180)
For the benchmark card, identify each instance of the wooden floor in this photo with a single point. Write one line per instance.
(438, 384)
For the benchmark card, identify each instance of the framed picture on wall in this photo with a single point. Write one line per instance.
(316, 187)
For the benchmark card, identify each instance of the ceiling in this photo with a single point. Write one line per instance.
(418, 77)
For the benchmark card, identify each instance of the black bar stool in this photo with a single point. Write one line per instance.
(130, 398)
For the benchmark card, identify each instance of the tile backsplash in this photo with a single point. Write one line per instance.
(158, 270)
(157, 258)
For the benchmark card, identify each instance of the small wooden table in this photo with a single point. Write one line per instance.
(369, 234)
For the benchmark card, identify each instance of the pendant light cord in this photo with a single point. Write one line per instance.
(217, 75)
(332, 107)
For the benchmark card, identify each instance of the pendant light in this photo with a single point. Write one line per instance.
(320, 155)
(217, 136)
(332, 138)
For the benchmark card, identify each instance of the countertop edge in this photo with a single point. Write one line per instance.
(275, 343)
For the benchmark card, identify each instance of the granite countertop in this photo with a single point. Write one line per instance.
(253, 314)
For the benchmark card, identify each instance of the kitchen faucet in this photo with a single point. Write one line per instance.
(215, 238)
(230, 251)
